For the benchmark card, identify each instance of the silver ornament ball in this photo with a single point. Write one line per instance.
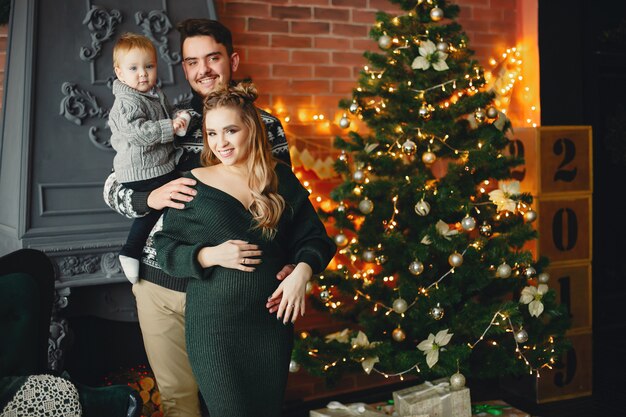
(492, 112)
(324, 295)
(369, 255)
(400, 305)
(429, 157)
(384, 41)
(341, 208)
(381, 259)
(422, 208)
(443, 47)
(530, 216)
(294, 366)
(530, 272)
(456, 259)
(485, 229)
(353, 108)
(409, 147)
(457, 381)
(416, 267)
(341, 240)
(366, 206)
(480, 115)
(437, 312)
(436, 14)
(543, 278)
(468, 223)
(398, 334)
(521, 336)
(344, 122)
(343, 157)
(503, 271)
(358, 176)
(424, 112)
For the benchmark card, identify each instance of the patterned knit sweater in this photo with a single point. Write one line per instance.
(132, 204)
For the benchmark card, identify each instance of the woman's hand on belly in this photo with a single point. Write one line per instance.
(292, 290)
(233, 254)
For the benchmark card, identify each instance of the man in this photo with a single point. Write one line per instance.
(208, 60)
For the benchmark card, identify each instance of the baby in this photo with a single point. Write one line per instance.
(142, 134)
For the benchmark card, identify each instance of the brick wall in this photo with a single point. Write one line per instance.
(304, 56)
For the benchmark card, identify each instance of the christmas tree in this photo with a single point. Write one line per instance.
(433, 277)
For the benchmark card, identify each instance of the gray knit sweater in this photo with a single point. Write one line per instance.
(141, 134)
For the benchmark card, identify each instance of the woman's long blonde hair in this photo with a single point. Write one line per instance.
(267, 205)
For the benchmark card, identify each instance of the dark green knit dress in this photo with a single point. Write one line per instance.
(239, 352)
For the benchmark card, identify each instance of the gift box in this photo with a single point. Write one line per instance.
(496, 408)
(337, 409)
(388, 409)
(434, 399)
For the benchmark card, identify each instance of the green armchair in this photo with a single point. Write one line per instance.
(26, 297)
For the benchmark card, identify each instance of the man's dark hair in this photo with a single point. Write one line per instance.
(206, 27)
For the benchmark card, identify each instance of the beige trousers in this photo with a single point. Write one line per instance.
(162, 320)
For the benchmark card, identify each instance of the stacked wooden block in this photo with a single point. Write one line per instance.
(558, 172)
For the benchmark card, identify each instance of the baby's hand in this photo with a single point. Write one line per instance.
(180, 123)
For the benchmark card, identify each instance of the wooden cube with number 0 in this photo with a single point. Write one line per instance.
(557, 159)
(564, 226)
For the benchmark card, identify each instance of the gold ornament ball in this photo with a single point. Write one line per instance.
(353, 108)
(366, 206)
(422, 208)
(543, 278)
(358, 176)
(344, 122)
(429, 157)
(416, 267)
(436, 14)
(468, 223)
(369, 255)
(400, 305)
(503, 271)
(409, 147)
(455, 260)
(492, 112)
(384, 41)
(530, 216)
(521, 336)
(294, 366)
(341, 240)
(443, 47)
(480, 115)
(457, 381)
(398, 334)
(437, 312)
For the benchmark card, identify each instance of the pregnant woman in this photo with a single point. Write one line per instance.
(251, 216)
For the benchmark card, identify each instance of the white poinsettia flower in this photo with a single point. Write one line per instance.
(342, 336)
(429, 55)
(431, 346)
(502, 196)
(444, 229)
(368, 364)
(532, 296)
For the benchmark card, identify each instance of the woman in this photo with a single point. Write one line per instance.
(250, 217)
